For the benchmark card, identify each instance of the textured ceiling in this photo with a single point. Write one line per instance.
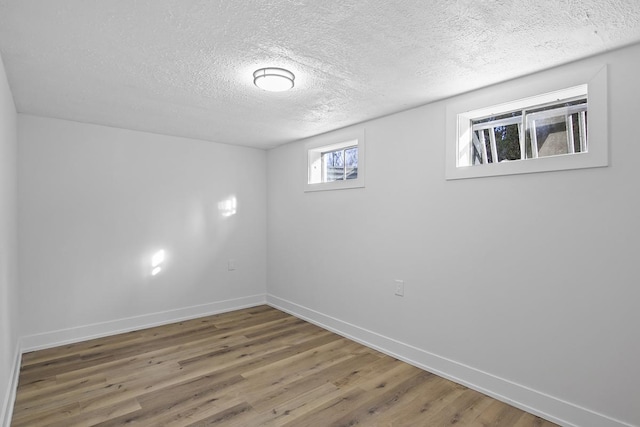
(184, 67)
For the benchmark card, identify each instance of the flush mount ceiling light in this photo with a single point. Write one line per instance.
(273, 79)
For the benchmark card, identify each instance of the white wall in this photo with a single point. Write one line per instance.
(523, 286)
(8, 243)
(95, 203)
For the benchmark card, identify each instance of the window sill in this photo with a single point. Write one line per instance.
(335, 185)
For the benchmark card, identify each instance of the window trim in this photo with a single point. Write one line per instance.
(515, 95)
(341, 139)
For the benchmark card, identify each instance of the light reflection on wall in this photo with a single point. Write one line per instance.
(228, 207)
(157, 262)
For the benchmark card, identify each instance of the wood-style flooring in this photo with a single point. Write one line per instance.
(252, 367)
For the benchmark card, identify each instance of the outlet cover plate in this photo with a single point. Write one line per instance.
(399, 288)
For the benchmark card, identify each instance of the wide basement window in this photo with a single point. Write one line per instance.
(335, 161)
(556, 130)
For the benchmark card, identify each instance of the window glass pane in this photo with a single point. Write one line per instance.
(487, 145)
(351, 158)
(579, 131)
(504, 130)
(338, 158)
(476, 155)
(551, 135)
(527, 146)
(351, 155)
(575, 126)
(557, 129)
(327, 159)
(333, 165)
(508, 142)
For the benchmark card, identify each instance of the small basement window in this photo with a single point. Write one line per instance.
(563, 129)
(335, 165)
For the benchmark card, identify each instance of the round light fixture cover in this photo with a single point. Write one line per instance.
(273, 79)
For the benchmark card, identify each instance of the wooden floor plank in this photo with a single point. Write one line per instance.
(99, 415)
(251, 367)
(497, 414)
(65, 394)
(289, 391)
(378, 403)
(530, 420)
(305, 402)
(464, 410)
(331, 411)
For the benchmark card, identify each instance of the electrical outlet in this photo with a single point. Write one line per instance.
(231, 265)
(399, 288)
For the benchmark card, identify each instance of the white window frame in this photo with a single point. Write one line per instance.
(534, 90)
(316, 146)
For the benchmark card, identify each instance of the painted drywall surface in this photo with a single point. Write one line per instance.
(8, 238)
(530, 278)
(96, 203)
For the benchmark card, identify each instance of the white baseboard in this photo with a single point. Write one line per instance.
(97, 330)
(12, 387)
(520, 396)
